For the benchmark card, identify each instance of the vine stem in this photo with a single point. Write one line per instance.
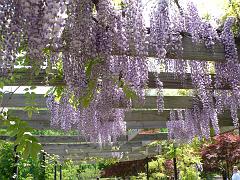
(9, 98)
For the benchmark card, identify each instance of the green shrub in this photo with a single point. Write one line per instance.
(6, 160)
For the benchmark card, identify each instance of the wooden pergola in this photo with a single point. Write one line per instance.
(140, 117)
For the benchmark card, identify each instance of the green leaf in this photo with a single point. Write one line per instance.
(58, 92)
(1, 84)
(35, 149)
(23, 46)
(19, 140)
(27, 94)
(3, 131)
(90, 65)
(90, 91)
(33, 87)
(37, 71)
(30, 114)
(26, 150)
(21, 146)
(130, 94)
(50, 91)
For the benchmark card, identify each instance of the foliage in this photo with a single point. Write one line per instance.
(48, 132)
(30, 101)
(88, 171)
(125, 168)
(6, 160)
(223, 153)
(141, 176)
(103, 162)
(233, 9)
(27, 168)
(33, 168)
(19, 130)
(71, 171)
(184, 92)
(187, 156)
(158, 168)
(25, 142)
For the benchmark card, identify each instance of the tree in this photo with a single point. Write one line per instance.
(222, 154)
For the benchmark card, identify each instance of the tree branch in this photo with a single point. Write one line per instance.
(3, 105)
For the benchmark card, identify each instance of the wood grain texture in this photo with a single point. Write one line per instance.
(170, 102)
(170, 81)
(138, 119)
(191, 51)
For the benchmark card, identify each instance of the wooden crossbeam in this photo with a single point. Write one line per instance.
(150, 137)
(191, 51)
(170, 80)
(51, 139)
(145, 124)
(170, 102)
(60, 138)
(86, 146)
(139, 115)
(138, 119)
(132, 133)
(78, 151)
(83, 156)
(196, 51)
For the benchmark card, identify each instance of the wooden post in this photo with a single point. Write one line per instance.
(147, 169)
(239, 127)
(175, 164)
(55, 171)
(43, 159)
(16, 159)
(60, 170)
(227, 169)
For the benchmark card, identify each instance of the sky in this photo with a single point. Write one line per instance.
(215, 8)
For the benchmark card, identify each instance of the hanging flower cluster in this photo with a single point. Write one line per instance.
(30, 24)
(228, 74)
(101, 79)
(185, 125)
(104, 54)
(165, 31)
(91, 123)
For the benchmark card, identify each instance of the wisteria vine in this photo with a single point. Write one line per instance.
(104, 53)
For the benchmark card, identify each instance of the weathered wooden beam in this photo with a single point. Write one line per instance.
(60, 138)
(145, 124)
(86, 147)
(132, 133)
(19, 100)
(191, 51)
(170, 102)
(170, 80)
(150, 137)
(131, 156)
(80, 151)
(198, 51)
(62, 151)
(138, 115)
(147, 115)
(52, 139)
(138, 119)
(223, 121)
